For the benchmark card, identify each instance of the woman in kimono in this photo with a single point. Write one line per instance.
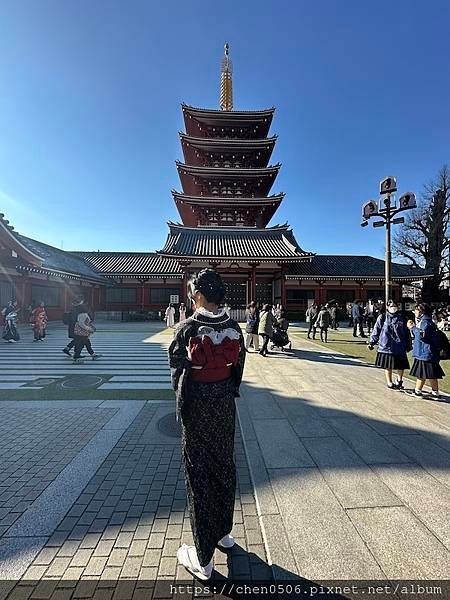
(182, 311)
(207, 360)
(10, 315)
(169, 316)
(39, 320)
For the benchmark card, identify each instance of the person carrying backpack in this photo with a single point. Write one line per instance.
(265, 327)
(394, 341)
(69, 319)
(323, 321)
(426, 351)
(83, 329)
(251, 327)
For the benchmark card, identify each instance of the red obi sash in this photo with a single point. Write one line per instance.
(212, 362)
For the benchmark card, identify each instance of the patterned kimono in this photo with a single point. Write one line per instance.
(207, 361)
(10, 332)
(39, 320)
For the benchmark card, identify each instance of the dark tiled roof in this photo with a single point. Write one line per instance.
(224, 114)
(229, 142)
(54, 259)
(270, 244)
(130, 263)
(351, 267)
(225, 172)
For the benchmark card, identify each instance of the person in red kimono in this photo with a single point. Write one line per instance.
(207, 360)
(39, 320)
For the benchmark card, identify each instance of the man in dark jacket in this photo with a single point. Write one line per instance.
(358, 318)
(311, 316)
(70, 320)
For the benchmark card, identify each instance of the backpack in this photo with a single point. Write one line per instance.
(443, 344)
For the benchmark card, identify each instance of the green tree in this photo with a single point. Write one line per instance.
(423, 239)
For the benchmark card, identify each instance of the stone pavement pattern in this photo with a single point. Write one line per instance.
(346, 479)
(352, 480)
(95, 490)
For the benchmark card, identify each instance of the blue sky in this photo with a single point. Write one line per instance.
(90, 109)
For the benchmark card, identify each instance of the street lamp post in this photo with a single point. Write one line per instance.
(386, 209)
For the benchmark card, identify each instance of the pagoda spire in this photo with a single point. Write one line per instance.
(226, 82)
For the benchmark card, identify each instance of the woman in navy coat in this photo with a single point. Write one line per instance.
(394, 341)
(425, 351)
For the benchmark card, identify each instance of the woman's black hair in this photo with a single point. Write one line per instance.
(425, 308)
(267, 307)
(210, 284)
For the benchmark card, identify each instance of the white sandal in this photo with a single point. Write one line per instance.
(187, 556)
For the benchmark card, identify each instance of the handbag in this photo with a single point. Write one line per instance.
(81, 331)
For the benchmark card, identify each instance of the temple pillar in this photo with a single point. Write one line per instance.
(253, 285)
(362, 291)
(283, 287)
(184, 289)
(319, 293)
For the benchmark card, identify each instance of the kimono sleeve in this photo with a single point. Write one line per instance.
(178, 359)
(239, 367)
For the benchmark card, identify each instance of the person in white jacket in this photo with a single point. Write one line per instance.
(83, 329)
(169, 316)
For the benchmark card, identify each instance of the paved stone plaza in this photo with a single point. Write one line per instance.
(337, 477)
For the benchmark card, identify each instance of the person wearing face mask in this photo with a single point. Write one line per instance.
(394, 341)
(425, 351)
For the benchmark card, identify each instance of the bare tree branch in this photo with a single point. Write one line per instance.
(424, 238)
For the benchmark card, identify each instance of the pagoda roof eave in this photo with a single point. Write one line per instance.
(178, 196)
(273, 228)
(226, 114)
(217, 171)
(228, 142)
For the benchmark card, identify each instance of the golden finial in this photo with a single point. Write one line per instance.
(226, 82)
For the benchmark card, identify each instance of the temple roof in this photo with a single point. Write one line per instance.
(139, 264)
(31, 255)
(227, 171)
(258, 151)
(266, 113)
(60, 261)
(271, 244)
(198, 120)
(235, 143)
(260, 179)
(227, 201)
(351, 267)
(262, 209)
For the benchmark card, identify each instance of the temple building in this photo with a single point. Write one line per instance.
(226, 204)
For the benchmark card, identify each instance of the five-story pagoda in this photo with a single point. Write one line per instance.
(225, 204)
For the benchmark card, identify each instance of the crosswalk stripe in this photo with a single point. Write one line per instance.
(130, 360)
(141, 378)
(135, 386)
